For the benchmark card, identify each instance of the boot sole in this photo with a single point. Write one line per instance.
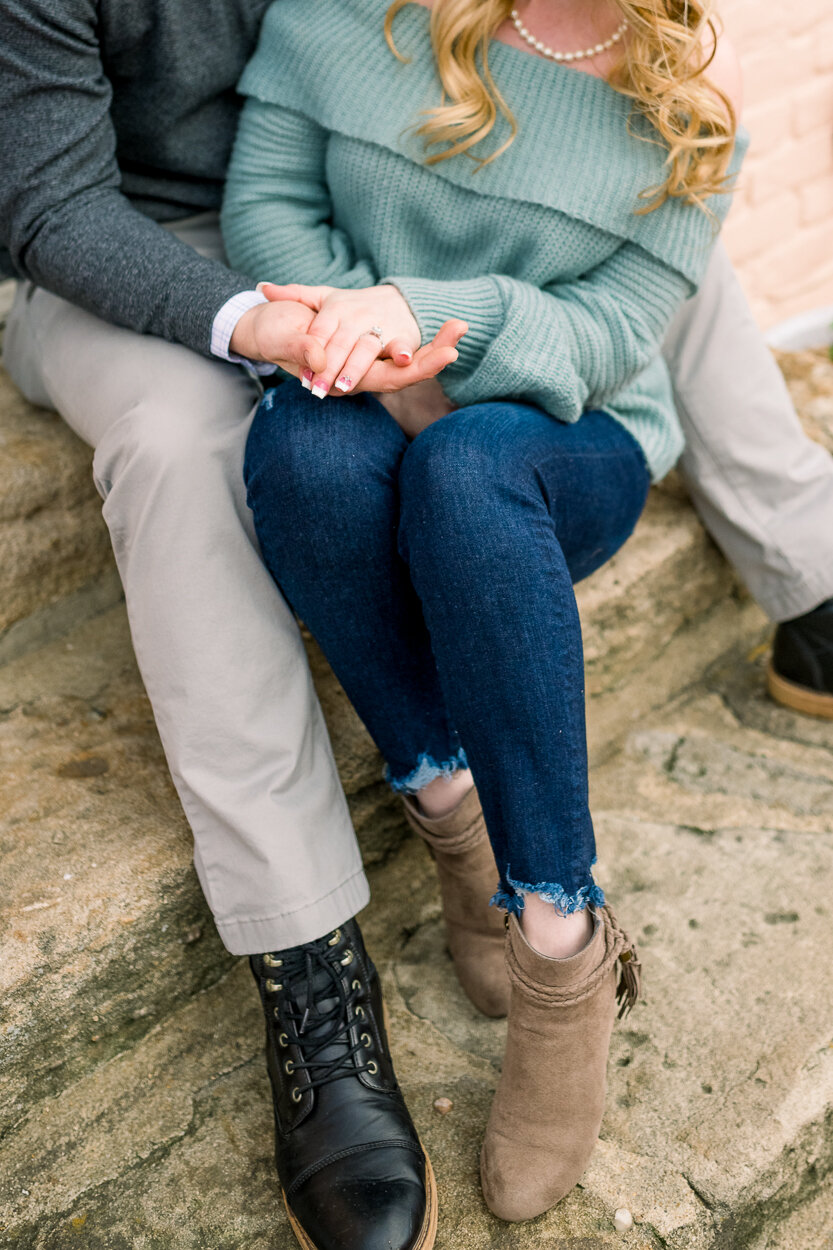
(798, 698)
(427, 1234)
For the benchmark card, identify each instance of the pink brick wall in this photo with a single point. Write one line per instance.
(780, 230)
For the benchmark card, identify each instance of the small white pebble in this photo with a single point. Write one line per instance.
(67, 876)
(93, 865)
(622, 1220)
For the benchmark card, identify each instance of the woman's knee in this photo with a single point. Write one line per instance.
(462, 467)
(311, 459)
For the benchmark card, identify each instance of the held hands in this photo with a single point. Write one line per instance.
(354, 327)
(333, 351)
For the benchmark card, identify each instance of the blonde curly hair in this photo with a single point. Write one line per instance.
(669, 48)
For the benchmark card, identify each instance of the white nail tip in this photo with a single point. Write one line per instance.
(342, 386)
(307, 385)
(319, 392)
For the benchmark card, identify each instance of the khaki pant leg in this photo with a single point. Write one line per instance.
(219, 651)
(763, 489)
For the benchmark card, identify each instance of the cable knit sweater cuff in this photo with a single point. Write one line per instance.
(477, 301)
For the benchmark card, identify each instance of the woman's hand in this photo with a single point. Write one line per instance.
(417, 406)
(384, 377)
(345, 323)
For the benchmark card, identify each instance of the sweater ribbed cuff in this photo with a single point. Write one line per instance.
(477, 301)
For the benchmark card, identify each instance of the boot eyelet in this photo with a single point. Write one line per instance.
(275, 1013)
(272, 987)
(335, 939)
(366, 1040)
(289, 1067)
(296, 1095)
(269, 961)
(355, 985)
(373, 1067)
(283, 1040)
(360, 1012)
(346, 959)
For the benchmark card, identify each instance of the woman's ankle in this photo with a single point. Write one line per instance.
(557, 937)
(441, 796)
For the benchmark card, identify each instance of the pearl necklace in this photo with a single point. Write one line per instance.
(565, 56)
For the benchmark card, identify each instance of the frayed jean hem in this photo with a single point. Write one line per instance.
(426, 771)
(512, 899)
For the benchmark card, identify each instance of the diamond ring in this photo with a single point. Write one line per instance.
(377, 333)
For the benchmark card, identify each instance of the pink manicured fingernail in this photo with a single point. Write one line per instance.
(406, 355)
(319, 391)
(344, 383)
(306, 379)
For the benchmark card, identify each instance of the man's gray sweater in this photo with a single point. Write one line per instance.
(117, 115)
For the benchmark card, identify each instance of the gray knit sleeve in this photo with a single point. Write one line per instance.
(63, 219)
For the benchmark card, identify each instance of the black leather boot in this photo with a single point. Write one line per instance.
(353, 1172)
(800, 674)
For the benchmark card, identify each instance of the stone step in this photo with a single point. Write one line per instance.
(104, 926)
(86, 782)
(716, 1134)
(102, 923)
(668, 581)
(53, 542)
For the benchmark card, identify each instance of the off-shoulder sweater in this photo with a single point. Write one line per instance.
(567, 291)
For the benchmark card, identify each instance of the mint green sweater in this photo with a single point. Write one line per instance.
(566, 291)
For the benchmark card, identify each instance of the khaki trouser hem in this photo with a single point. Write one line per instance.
(310, 921)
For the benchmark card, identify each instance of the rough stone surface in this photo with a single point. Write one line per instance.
(56, 567)
(133, 1095)
(717, 1131)
(102, 923)
(7, 290)
(52, 537)
(809, 377)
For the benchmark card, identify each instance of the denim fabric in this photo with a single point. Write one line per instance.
(437, 575)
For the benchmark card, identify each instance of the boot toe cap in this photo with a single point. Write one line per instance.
(515, 1190)
(379, 1199)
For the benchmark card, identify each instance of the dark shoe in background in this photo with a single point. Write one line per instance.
(351, 1166)
(800, 673)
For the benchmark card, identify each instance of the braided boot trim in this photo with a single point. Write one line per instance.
(617, 948)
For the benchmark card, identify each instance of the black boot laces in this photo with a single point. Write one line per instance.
(316, 1012)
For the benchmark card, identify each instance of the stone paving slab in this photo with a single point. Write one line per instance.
(169, 1144)
(809, 1227)
(669, 579)
(717, 1130)
(715, 836)
(87, 783)
(52, 537)
(7, 290)
(102, 923)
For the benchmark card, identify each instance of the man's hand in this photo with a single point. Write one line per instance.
(417, 407)
(278, 332)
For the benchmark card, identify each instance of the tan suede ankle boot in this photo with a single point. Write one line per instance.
(468, 876)
(548, 1107)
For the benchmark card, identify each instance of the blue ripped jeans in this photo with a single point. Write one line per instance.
(437, 576)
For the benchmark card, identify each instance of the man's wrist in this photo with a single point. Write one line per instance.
(225, 324)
